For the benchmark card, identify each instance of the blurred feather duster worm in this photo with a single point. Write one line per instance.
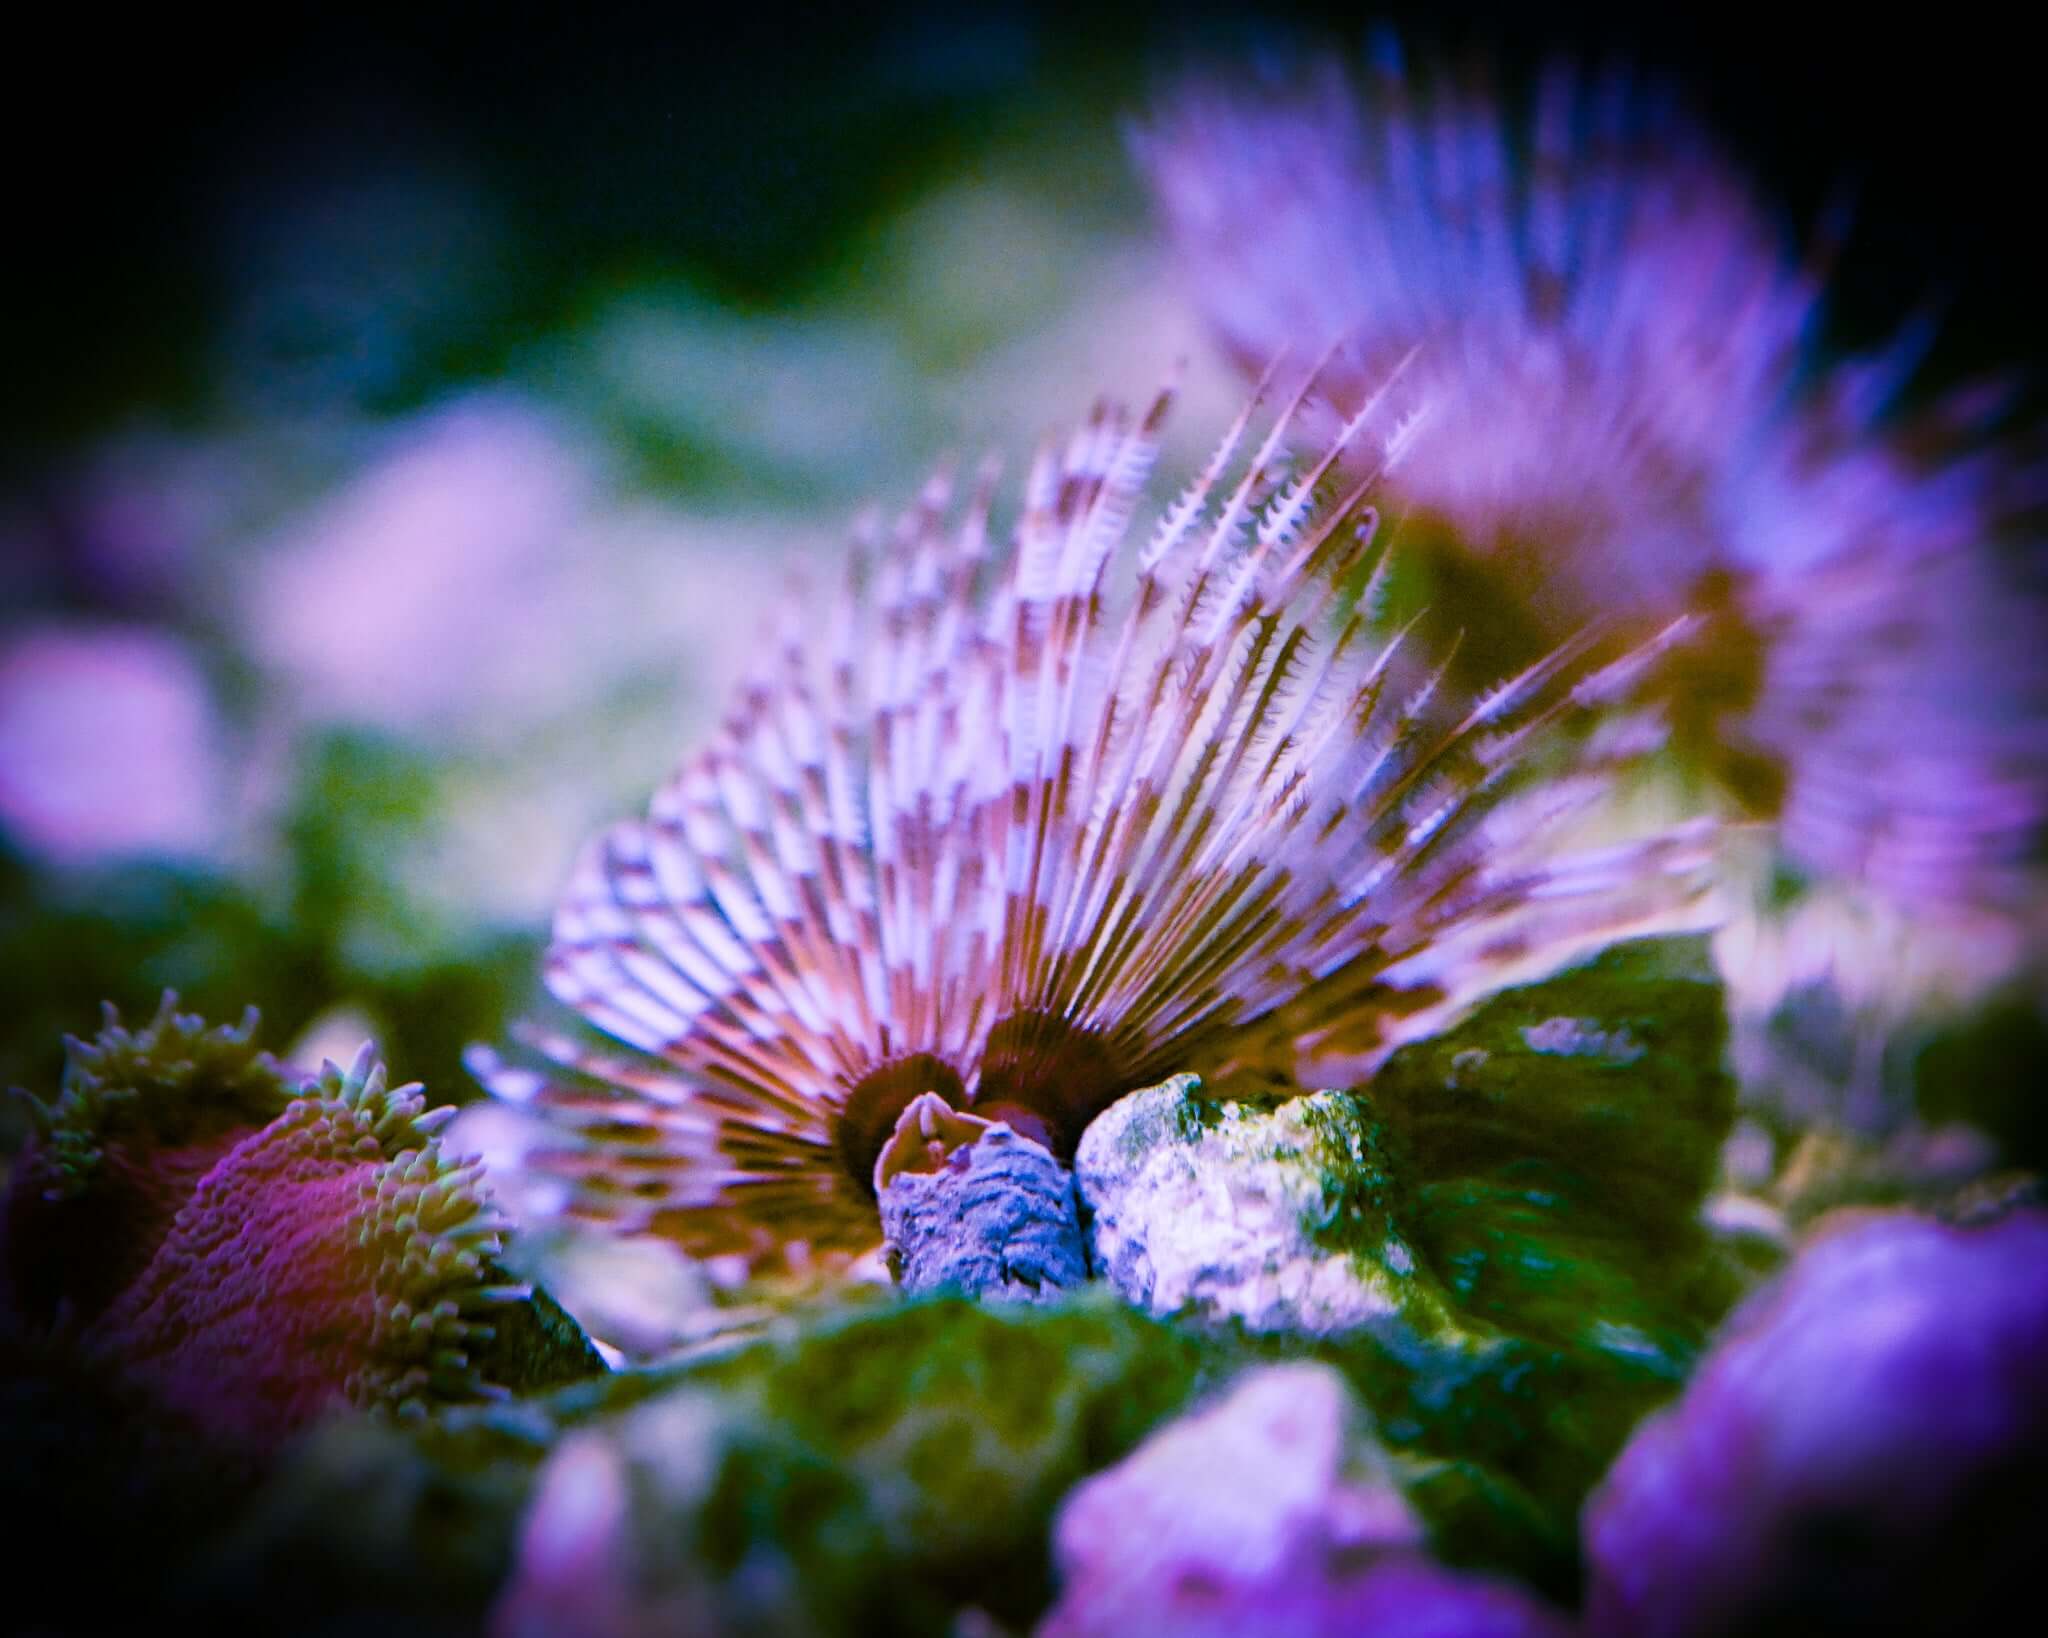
(1029, 830)
(1626, 421)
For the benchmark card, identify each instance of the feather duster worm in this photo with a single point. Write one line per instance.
(1626, 422)
(1028, 831)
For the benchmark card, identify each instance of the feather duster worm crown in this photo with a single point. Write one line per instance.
(1028, 831)
(1630, 420)
(1608, 322)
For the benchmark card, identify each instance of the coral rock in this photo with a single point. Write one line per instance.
(1226, 1211)
(1862, 1452)
(1272, 1512)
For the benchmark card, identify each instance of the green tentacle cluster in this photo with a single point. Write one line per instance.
(429, 1238)
(173, 1080)
(254, 1248)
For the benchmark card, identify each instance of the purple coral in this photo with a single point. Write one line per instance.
(247, 1253)
(1863, 1452)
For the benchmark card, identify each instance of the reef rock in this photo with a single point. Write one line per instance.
(874, 1471)
(1863, 1451)
(871, 1467)
(876, 1465)
(633, 1532)
(1555, 1153)
(966, 1422)
(1277, 1217)
(1273, 1512)
(1538, 1170)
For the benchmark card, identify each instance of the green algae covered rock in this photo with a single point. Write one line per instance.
(876, 1469)
(879, 1468)
(1498, 1240)
(1553, 1153)
(966, 1424)
(689, 1516)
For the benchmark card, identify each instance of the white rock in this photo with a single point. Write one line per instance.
(1228, 1212)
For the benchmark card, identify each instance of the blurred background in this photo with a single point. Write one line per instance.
(412, 414)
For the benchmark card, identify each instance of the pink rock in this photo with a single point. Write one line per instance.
(1269, 1515)
(1862, 1451)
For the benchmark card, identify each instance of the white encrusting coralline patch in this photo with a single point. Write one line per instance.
(1219, 1221)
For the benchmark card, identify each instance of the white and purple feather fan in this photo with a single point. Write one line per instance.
(1031, 829)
